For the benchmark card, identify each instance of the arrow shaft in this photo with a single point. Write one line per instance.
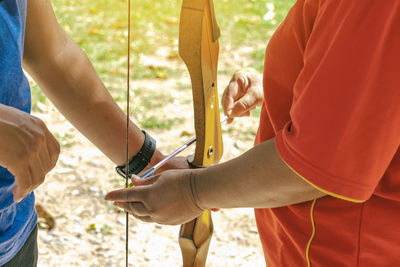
(150, 172)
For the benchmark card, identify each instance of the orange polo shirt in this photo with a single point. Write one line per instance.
(332, 102)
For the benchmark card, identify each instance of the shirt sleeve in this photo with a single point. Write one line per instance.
(344, 127)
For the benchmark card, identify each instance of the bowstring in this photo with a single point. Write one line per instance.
(127, 131)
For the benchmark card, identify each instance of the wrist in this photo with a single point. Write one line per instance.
(157, 157)
(141, 160)
(195, 187)
(193, 178)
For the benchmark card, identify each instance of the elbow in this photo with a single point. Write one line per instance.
(40, 60)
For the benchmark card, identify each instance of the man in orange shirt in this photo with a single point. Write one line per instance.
(324, 176)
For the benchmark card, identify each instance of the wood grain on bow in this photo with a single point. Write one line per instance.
(199, 48)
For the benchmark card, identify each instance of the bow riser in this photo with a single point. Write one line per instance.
(199, 48)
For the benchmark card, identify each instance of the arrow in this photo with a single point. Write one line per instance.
(150, 172)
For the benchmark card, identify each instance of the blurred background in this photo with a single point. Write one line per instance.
(77, 227)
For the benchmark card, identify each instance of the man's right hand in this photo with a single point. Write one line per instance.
(242, 95)
(27, 149)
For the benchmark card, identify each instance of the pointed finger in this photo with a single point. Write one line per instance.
(125, 195)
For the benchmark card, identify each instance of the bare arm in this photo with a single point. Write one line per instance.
(67, 77)
(257, 179)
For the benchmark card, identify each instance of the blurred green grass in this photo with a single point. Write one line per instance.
(100, 28)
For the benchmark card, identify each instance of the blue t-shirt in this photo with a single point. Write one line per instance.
(16, 220)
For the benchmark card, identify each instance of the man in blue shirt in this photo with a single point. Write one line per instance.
(31, 37)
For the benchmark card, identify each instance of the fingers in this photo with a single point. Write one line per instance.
(53, 150)
(29, 172)
(38, 172)
(39, 160)
(134, 208)
(242, 95)
(23, 183)
(43, 145)
(228, 99)
(118, 195)
(27, 149)
(165, 198)
(231, 93)
(45, 159)
(132, 199)
(125, 195)
(129, 201)
(242, 106)
(28, 178)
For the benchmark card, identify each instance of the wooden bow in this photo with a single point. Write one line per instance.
(199, 48)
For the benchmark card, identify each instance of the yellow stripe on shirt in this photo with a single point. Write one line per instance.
(323, 190)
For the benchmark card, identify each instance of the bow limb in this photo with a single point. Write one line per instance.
(199, 49)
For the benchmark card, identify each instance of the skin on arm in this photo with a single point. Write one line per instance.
(257, 179)
(66, 76)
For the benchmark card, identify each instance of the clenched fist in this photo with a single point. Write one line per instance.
(27, 149)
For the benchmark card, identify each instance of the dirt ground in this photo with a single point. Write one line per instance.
(90, 232)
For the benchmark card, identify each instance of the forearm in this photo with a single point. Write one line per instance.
(71, 83)
(257, 179)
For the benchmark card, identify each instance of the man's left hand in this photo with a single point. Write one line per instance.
(165, 198)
